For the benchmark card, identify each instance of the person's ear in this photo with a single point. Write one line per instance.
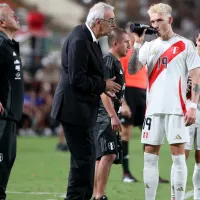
(170, 20)
(115, 44)
(2, 22)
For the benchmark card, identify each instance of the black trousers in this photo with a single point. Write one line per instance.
(7, 152)
(82, 164)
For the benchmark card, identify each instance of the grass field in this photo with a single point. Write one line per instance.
(40, 172)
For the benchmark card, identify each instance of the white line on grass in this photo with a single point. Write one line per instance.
(188, 194)
(36, 193)
(52, 199)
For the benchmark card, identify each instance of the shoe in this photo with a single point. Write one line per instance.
(104, 197)
(128, 178)
(161, 180)
(62, 147)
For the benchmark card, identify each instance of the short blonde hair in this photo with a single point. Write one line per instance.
(161, 8)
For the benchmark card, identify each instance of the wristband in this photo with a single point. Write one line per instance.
(137, 45)
(193, 105)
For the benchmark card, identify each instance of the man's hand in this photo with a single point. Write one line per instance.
(1, 109)
(139, 39)
(116, 124)
(126, 111)
(190, 116)
(112, 86)
(110, 94)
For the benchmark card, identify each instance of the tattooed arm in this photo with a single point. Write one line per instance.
(195, 90)
(190, 115)
(134, 64)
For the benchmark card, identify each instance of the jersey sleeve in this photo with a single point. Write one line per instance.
(143, 53)
(192, 58)
(108, 67)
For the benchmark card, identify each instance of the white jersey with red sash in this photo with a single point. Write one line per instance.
(168, 63)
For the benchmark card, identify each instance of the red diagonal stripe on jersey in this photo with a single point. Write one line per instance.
(170, 53)
(181, 97)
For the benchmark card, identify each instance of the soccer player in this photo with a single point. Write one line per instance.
(195, 139)
(134, 104)
(108, 122)
(169, 58)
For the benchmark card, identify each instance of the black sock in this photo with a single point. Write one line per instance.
(125, 161)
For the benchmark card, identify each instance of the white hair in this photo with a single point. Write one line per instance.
(2, 5)
(97, 12)
(161, 8)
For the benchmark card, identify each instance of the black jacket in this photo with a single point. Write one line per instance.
(77, 95)
(11, 79)
(112, 67)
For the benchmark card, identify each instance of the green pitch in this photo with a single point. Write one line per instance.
(40, 173)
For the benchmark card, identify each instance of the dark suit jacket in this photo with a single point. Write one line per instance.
(77, 95)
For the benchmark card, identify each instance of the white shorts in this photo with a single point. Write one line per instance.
(155, 127)
(194, 139)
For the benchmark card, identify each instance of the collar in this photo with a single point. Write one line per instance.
(2, 34)
(93, 36)
(111, 55)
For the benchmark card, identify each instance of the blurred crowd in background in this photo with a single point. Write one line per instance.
(45, 24)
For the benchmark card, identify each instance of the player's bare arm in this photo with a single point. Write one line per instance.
(134, 64)
(190, 116)
(125, 109)
(195, 77)
(115, 122)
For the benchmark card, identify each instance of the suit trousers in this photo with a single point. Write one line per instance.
(82, 164)
(8, 142)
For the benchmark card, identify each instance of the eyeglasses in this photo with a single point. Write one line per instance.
(110, 21)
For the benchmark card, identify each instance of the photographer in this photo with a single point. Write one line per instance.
(108, 122)
(169, 59)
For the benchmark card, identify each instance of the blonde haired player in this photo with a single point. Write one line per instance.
(169, 59)
(195, 138)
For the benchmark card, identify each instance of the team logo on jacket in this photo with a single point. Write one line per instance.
(111, 145)
(16, 62)
(17, 75)
(17, 68)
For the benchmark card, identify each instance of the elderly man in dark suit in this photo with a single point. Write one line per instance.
(77, 96)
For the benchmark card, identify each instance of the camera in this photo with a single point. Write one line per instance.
(139, 28)
(119, 156)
